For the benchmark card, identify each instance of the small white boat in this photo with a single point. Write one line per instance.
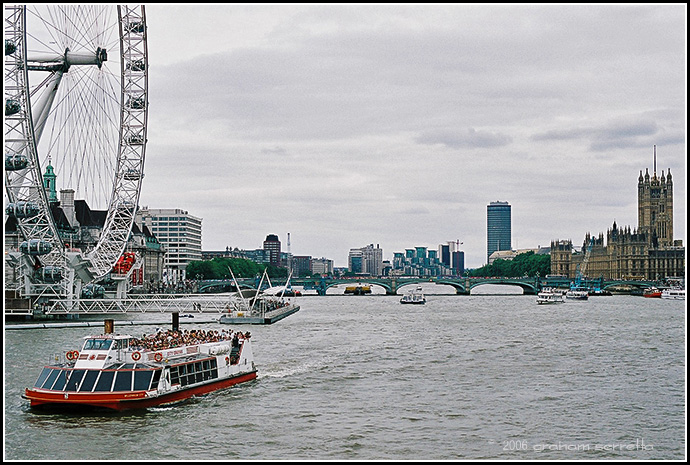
(414, 297)
(673, 293)
(550, 296)
(577, 293)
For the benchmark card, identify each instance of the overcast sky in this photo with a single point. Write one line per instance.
(396, 125)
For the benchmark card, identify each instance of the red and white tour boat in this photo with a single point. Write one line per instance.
(120, 372)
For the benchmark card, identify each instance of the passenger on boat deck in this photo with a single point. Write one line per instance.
(171, 338)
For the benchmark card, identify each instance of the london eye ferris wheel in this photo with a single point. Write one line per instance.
(76, 107)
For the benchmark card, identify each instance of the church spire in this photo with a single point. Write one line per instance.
(49, 183)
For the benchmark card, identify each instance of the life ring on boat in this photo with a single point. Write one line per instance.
(158, 357)
(69, 355)
(75, 354)
(136, 356)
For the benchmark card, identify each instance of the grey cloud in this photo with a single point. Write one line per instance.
(612, 135)
(469, 137)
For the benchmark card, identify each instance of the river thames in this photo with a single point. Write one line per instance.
(480, 377)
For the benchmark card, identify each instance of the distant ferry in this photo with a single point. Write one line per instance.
(549, 296)
(577, 293)
(673, 293)
(113, 372)
(414, 297)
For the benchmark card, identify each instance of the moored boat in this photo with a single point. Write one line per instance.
(652, 292)
(121, 372)
(260, 309)
(673, 294)
(251, 306)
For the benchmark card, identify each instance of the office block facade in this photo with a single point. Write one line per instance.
(498, 227)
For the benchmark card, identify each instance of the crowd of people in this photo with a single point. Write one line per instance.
(176, 338)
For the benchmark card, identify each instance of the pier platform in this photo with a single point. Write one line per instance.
(265, 319)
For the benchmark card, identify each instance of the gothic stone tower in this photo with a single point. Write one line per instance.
(655, 207)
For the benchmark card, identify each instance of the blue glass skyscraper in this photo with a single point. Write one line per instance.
(498, 227)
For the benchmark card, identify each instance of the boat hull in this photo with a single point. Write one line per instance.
(129, 400)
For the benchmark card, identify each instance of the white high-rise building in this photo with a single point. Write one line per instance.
(180, 233)
(367, 260)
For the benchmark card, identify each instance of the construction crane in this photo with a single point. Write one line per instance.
(582, 267)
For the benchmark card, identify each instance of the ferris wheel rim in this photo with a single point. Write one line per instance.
(129, 163)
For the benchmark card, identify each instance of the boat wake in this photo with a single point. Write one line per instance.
(289, 371)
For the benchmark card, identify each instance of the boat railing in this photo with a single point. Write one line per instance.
(60, 358)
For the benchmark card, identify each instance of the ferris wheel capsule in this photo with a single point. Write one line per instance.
(12, 107)
(49, 274)
(22, 209)
(16, 161)
(10, 47)
(35, 247)
(136, 27)
(93, 291)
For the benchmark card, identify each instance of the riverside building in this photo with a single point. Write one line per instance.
(647, 252)
(180, 234)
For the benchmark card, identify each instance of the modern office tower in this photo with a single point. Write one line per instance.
(444, 251)
(498, 227)
(180, 234)
(458, 262)
(272, 245)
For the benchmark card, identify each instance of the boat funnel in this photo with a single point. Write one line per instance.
(175, 321)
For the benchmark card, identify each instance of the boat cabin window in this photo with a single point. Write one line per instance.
(123, 381)
(142, 380)
(98, 344)
(60, 382)
(51, 379)
(42, 377)
(73, 379)
(194, 372)
(98, 381)
(89, 381)
(105, 381)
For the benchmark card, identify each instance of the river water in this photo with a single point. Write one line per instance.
(488, 377)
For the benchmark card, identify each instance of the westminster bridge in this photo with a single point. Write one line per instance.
(391, 285)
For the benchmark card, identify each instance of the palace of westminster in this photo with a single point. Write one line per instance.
(647, 253)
